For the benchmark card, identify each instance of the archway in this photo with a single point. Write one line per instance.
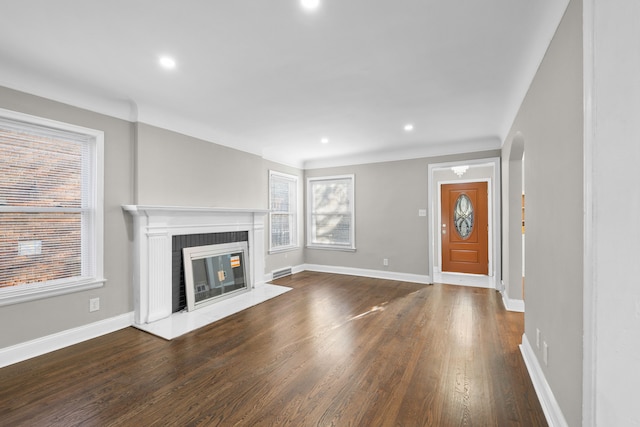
(513, 225)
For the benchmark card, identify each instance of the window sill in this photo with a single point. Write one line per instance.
(31, 292)
(332, 248)
(283, 249)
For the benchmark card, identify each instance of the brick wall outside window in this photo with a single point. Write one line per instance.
(39, 172)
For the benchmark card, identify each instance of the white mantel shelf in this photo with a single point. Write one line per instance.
(160, 209)
(154, 227)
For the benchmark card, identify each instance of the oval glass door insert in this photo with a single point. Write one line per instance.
(463, 216)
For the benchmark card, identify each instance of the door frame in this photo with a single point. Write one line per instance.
(438, 253)
(493, 280)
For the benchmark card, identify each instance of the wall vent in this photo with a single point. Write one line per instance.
(281, 273)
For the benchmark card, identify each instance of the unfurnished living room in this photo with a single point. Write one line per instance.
(319, 213)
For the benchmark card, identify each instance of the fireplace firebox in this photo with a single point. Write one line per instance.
(215, 272)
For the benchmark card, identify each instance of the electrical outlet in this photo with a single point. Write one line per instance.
(385, 262)
(538, 337)
(94, 304)
(545, 353)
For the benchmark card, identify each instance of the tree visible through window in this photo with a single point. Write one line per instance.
(49, 195)
(330, 221)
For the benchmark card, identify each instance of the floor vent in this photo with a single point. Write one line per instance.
(281, 273)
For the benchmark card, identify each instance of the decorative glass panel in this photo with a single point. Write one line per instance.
(463, 216)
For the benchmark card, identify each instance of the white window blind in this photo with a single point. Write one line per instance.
(283, 189)
(331, 213)
(49, 197)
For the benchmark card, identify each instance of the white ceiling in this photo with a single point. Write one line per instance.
(267, 77)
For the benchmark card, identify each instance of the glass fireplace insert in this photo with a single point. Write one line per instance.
(215, 272)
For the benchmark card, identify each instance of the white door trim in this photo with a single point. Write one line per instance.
(494, 277)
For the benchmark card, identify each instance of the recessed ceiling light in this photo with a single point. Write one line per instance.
(310, 4)
(325, 140)
(408, 127)
(167, 62)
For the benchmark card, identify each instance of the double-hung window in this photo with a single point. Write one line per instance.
(330, 212)
(283, 211)
(51, 208)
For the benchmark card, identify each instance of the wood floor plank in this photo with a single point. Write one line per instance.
(335, 351)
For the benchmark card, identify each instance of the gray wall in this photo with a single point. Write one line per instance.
(551, 122)
(387, 199)
(47, 316)
(178, 170)
(388, 196)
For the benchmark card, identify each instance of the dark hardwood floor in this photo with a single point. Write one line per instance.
(335, 351)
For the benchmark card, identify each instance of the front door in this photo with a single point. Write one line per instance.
(465, 228)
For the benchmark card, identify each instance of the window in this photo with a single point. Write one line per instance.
(50, 208)
(283, 216)
(331, 213)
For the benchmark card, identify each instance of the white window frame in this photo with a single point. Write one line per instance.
(293, 213)
(93, 235)
(351, 245)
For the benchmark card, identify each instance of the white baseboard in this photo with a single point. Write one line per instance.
(23, 351)
(376, 274)
(512, 304)
(461, 279)
(549, 404)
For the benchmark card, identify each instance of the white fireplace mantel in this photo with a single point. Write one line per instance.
(154, 227)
